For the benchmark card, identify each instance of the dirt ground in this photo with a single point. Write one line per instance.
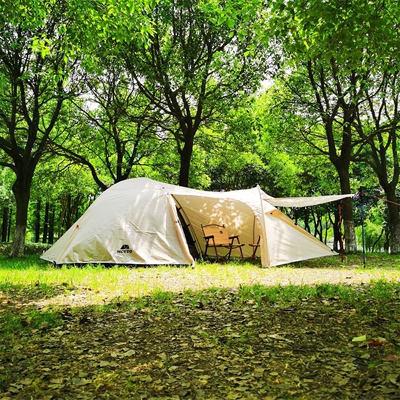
(212, 344)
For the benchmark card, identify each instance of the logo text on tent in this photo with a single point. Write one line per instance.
(124, 249)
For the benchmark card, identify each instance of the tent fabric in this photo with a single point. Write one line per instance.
(136, 222)
(305, 201)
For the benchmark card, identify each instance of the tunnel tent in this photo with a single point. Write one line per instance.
(140, 221)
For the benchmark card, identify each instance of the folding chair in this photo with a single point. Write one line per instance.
(255, 247)
(217, 236)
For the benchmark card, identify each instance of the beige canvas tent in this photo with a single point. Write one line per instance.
(144, 222)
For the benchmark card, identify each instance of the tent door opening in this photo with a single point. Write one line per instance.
(188, 231)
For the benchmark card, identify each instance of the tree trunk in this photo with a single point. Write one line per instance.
(336, 222)
(68, 216)
(9, 225)
(18, 244)
(51, 224)
(307, 220)
(46, 222)
(350, 242)
(22, 192)
(37, 221)
(394, 223)
(185, 158)
(4, 225)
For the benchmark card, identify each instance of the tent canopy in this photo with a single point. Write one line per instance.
(305, 201)
(142, 222)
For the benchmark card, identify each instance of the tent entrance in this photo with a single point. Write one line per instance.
(188, 231)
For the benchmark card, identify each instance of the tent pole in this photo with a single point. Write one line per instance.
(263, 233)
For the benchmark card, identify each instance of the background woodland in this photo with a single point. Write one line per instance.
(300, 97)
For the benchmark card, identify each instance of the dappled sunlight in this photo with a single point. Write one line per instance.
(79, 287)
(217, 331)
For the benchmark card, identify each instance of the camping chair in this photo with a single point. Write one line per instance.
(217, 236)
(255, 247)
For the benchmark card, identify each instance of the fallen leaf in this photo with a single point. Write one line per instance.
(375, 343)
(362, 338)
(57, 380)
(129, 353)
(393, 378)
(392, 357)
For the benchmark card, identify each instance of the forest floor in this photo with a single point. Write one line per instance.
(283, 333)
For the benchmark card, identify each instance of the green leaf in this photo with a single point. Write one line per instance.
(362, 338)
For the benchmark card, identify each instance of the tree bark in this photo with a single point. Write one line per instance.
(46, 222)
(37, 221)
(185, 158)
(4, 225)
(51, 224)
(21, 190)
(350, 242)
(336, 222)
(10, 216)
(394, 223)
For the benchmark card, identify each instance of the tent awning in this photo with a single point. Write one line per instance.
(305, 201)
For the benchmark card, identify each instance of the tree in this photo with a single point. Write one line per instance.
(32, 78)
(332, 45)
(296, 168)
(113, 128)
(40, 43)
(230, 146)
(377, 123)
(6, 204)
(61, 192)
(335, 108)
(200, 61)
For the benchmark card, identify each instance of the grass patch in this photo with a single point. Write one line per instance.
(97, 284)
(215, 331)
(32, 319)
(373, 261)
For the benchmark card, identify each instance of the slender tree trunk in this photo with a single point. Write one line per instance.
(307, 220)
(4, 225)
(51, 224)
(46, 222)
(296, 216)
(336, 222)
(62, 215)
(68, 216)
(37, 221)
(10, 216)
